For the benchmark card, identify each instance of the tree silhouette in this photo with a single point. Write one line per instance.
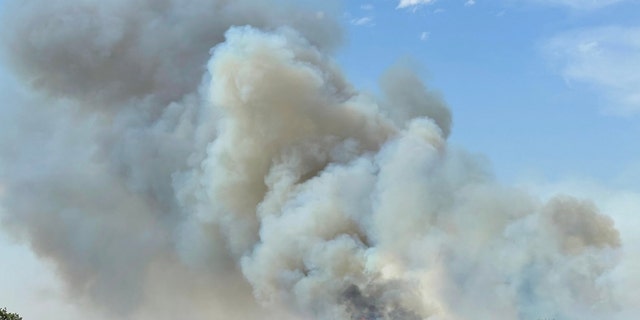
(5, 315)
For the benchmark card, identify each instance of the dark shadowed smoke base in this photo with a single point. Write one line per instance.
(165, 179)
(366, 308)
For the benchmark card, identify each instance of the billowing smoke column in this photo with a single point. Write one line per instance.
(261, 185)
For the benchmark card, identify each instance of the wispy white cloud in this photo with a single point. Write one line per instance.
(606, 58)
(575, 4)
(424, 36)
(578, 4)
(367, 7)
(416, 3)
(412, 3)
(363, 21)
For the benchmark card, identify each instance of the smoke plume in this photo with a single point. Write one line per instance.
(207, 159)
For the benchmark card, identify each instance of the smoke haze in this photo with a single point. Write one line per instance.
(207, 159)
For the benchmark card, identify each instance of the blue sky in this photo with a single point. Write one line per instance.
(543, 88)
(521, 90)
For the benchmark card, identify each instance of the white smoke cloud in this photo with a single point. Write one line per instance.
(265, 186)
(622, 205)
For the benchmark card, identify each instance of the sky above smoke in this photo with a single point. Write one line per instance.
(210, 159)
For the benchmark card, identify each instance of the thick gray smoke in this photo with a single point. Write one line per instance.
(262, 185)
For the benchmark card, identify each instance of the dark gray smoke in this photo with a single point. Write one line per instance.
(166, 179)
